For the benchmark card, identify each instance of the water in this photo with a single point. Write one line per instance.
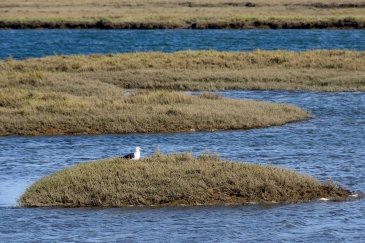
(21, 44)
(330, 147)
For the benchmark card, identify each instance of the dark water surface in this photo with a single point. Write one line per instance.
(21, 44)
(331, 146)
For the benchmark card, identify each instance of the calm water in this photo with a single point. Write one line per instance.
(330, 147)
(37, 43)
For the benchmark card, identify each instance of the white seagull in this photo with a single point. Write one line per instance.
(134, 156)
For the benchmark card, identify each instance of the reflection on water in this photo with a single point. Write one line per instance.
(330, 147)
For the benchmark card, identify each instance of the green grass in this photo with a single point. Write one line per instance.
(181, 179)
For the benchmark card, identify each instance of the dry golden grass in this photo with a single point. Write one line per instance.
(97, 108)
(181, 13)
(33, 112)
(165, 180)
(196, 70)
(86, 94)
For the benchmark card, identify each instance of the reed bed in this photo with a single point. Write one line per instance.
(182, 14)
(174, 180)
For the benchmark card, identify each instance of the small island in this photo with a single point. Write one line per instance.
(175, 180)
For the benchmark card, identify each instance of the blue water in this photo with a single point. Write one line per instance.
(330, 146)
(21, 44)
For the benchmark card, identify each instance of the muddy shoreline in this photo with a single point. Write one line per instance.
(346, 23)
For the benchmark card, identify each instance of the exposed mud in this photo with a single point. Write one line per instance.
(330, 5)
(252, 4)
(212, 5)
(346, 23)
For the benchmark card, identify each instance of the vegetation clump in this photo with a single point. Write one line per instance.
(181, 179)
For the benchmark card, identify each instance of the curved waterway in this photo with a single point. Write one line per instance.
(330, 147)
(22, 44)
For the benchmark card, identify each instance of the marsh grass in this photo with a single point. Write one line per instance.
(197, 70)
(183, 14)
(87, 95)
(180, 179)
(91, 94)
(34, 112)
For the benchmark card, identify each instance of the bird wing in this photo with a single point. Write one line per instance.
(128, 156)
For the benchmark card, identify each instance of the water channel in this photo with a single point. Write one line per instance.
(330, 146)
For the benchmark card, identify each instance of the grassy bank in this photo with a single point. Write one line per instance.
(183, 14)
(195, 70)
(165, 180)
(89, 94)
(248, 23)
(97, 108)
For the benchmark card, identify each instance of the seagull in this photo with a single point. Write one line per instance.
(133, 156)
